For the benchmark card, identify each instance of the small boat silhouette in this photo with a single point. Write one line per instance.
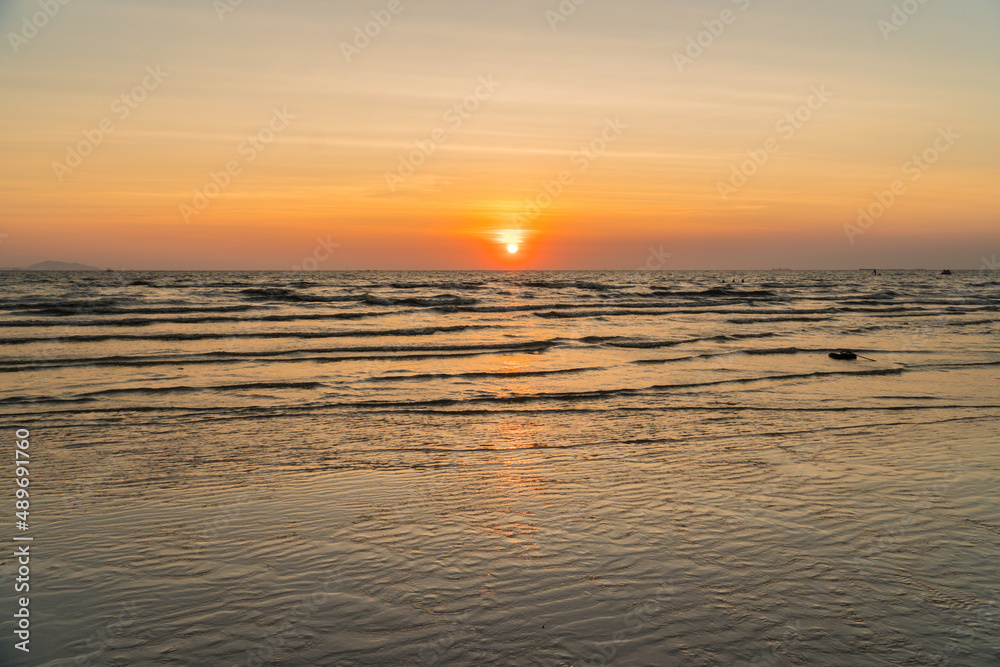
(946, 272)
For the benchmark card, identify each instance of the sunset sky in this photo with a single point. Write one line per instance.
(312, 129)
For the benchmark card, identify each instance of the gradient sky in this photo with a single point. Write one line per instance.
(323, 176)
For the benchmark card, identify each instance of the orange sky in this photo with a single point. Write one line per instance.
(266, 135)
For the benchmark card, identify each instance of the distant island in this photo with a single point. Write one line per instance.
(61, 266)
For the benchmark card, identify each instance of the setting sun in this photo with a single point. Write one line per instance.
(512, 248)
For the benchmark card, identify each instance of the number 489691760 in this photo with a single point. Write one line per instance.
(21, 460)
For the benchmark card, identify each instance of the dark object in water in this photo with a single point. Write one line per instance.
(847, 355)
(946, 272)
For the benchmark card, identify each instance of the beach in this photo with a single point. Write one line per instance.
(530, 468)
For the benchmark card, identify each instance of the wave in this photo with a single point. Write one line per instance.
(970, 323)
(890, 309)
(145, 322)
(486, 374)
(673, 359)
(422, 302)
(727, 291)
(615, 312)
(268, 294)
(284, 294)
(951, 312)
(442, 285)
(599, 394)
(638, 343)
(90, 397)
(459, 407)
(765, 320)
(340, 354)
(308, 335)
(566, 284)
(62, 307)
(245, 386)
(71, 310)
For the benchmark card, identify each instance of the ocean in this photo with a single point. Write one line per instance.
(505, 468)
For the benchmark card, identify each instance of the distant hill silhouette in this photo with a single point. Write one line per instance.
(61, 266)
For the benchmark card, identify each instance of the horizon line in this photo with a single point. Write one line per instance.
(640, 270)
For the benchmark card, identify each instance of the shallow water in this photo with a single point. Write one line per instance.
(650, 468)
